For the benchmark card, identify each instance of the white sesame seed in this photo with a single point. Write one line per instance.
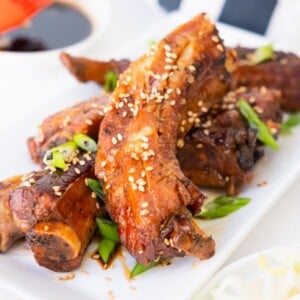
(77, 171)
(93, 195)
(134, 186)
(166, 241)
(114, 140)
(141, 188)
(167, 47)
(149, 168)
(145, 146)
(130, 179)
(124, 114)
(82, 162)
(178, 91)
(220, 47)
(144, 212)
(192, 68)
(58, 193)
(119, 137)
(180, 143)
(215, 39)
(183, 101)
(204, 109)
(145, 204)
(143, 173)
(131, 170)
(103, 163)
(89, 122)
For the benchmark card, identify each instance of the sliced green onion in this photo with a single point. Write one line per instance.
(108, 229)
(106, 248)
(85, 142)
(222, 206)
(110, 82)
(58, 160)
(263, 54)
(96, 187)
(263, 132)
(139, 268)
(152, 43)
(58, 156)
(292, 121)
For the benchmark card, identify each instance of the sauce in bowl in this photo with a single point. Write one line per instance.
(58, 26)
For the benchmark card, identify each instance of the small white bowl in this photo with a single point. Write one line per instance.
(269, 274)
(44, 64)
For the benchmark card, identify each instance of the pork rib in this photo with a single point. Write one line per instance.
(155, 103)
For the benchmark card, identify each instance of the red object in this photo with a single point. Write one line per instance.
(14, 13)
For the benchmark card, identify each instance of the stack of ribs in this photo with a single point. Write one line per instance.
(170, 127)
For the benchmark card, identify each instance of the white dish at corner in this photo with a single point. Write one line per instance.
(269, 274)
(24, 279)
(44, 64)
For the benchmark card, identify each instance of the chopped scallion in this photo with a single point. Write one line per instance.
(263, 54)
(58, 156)
(263, 132)
(106, 248)
(85, 142)
(292, 121)
(139, 268)
(96, 187)
(222, 206)
(108, 229)
(110, 82)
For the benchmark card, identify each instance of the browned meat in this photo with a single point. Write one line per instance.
(92, 70)
(282, 72)
(222, 151)
(9, 232)
(57, 212)
(83, 117)
(148, 196)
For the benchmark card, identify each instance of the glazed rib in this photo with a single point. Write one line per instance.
(57, 213)
(92, 70)
(222, 151)
(282, 72)
(57, 129)
(148, 196)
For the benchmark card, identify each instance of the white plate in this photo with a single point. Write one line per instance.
(270, 273)
(24, 279)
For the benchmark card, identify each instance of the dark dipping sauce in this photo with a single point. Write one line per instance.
(59, 25)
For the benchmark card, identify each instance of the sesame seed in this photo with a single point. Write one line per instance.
(169, 91)
(97, 205)
(58, 193)
(31, 180)
(206, 132)
(166, 241)
(130, 179)
(144, 212)
(93, 195)
(149, 168)
(143, 173)
(204, 109)
(145, 146)
(263, 90)
(220, 47)
(56, 188)
(167, 48)
(134, 186)
(151, 152)
(181, 129)
(192, 68)
(89, 122)
(144, 138)
(114, 140)
(145, 204)
(227, 178)
(252, 99)
(178, 91)
(77, 171)
(199, 145)
(258, 109)
(134, 156)
(183, 101)
(119, 137)
(107, 186)
(26, 183)
(215, 39)
(140, 251)
(141, 188)
(168, 60)
(141, 181)
(124, 114)
(180, 143)
(66, 121)
(173, 102)
(167, 67)
(103, 163)
(190, 79)
(131, 170)
(82, 162)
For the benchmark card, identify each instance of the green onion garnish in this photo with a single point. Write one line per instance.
(152, 43)
(85, 142)
(263, 54)
(222, 206)
(292, 121)
(108, 229)
(110, 82)
(139, 268)
(58, 156)
(106, 248)
(96, 187)
(263, 132)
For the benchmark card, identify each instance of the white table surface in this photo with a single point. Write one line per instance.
(281, 225)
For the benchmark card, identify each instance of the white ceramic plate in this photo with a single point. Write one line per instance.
(22, 278)
(269, 274)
